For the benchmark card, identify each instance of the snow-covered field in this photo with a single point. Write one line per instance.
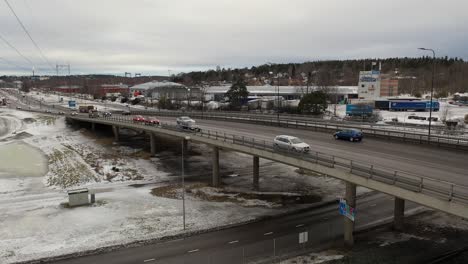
(447, 111)
(36, 222)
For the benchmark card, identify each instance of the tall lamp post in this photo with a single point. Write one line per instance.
(432, 91)
(187, 138)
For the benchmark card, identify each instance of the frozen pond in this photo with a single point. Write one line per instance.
(19, 159)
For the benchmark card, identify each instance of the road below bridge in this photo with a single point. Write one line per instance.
(254, 240)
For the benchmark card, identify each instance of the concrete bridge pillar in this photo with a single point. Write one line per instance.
(215, 178)
(350, 197)
(256, 172)
(399, 214)
(93, 126)
(115, 129)
(153, 143)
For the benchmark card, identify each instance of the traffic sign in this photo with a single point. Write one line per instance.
(346, 210)
(303, 237)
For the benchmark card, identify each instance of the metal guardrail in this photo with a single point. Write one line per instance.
(406, 136)
(444, 190)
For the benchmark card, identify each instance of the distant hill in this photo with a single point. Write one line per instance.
(414, 73)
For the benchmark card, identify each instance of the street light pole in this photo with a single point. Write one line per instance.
(183, 178)
(183, 185)
(432, 91)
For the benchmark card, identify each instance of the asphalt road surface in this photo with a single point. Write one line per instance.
(255, 240)
(438, 163)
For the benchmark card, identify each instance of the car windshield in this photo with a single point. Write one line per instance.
(295, 140)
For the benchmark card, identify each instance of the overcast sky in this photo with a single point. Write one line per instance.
(154, 36)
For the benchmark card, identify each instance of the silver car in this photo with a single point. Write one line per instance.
(290, 143)
(185, 122)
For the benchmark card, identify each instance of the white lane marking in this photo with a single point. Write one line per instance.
(234, 241)
(299, 225)
(372, 205)
(267, 234)
(148, 260)
(193, 250)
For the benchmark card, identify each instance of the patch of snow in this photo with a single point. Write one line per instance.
(314, 258)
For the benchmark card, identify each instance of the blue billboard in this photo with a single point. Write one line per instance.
(72, 104)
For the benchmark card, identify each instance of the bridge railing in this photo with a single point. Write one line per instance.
(444, 190)
(455, 141)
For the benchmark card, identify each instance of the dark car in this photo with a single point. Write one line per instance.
(349, 134)
(126, 113)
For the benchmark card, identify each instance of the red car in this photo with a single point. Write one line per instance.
(152, 122)
(138, 118)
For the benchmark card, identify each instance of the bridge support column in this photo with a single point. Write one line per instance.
(93, 127)
(256, 172)
(350, 197)
(399, 214)
(215, 177)
(153, 144)
(115, 129)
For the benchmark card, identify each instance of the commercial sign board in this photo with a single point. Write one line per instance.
(72, 104)
(346, 210)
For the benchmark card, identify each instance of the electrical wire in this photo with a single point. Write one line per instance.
(15, 49)
(29, 35)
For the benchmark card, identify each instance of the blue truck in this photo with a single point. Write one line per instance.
(359, 110)
(413, 106)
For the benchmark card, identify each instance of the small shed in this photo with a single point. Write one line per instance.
(78, 197)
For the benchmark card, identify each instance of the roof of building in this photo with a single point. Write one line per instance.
(76, 191)
(155, 84)
(268, 89)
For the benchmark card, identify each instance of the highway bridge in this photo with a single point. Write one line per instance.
(439, 185)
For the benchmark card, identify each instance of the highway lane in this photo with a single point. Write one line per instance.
(225, 246)
(443, 164)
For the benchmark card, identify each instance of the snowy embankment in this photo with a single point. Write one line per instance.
(36, 222)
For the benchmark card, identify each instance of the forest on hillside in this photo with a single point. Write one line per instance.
(451, 74)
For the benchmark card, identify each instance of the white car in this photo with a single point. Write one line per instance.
(185, 122)
(290, 143)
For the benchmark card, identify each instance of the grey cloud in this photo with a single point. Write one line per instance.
(153, 36)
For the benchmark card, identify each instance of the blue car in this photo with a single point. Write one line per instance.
(349, 134)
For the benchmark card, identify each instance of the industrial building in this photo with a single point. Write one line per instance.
(217, 93)
(172, 90)
(373, 86)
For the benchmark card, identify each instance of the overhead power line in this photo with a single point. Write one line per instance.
(15, 49)
(29, 35)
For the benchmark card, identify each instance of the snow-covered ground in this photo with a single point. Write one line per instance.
(449, 111)
(35, 221)
(314, 258)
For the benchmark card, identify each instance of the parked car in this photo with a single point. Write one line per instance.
(73, 113)
(349, 134)
(412, 117)
(107, 114)
(48, 111)
(290, 143)
(152, 121)
(138, 118)
(185, 122)
(18, 107)
(61, 113)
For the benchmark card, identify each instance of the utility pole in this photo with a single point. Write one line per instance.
(432, 92)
